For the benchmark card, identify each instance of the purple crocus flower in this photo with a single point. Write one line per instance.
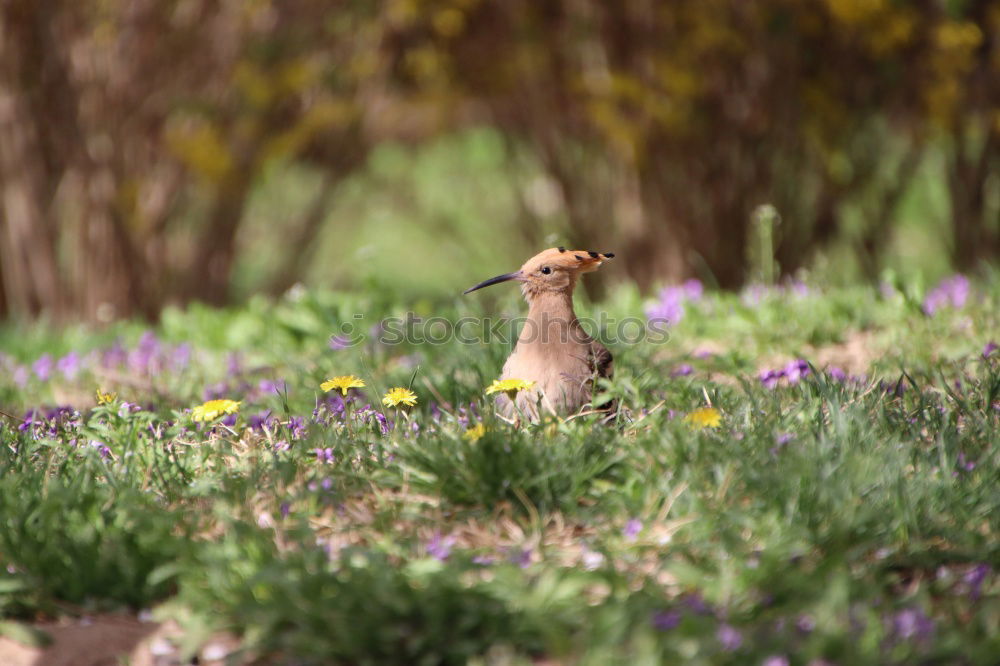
(666, 620)
(682, 370)
(63, 416)
(974, 579)
(69, 365)
(332, 407)
(101, 447)
(896, 389)
(384, 424)
(775, 660)
(796, 370)
(29, 420)
(798, 288)
(21, 376)
(268, 387)
(282, 445)
(297, 427)
(324, 455)
(693, 289)
(440, 548)
(215, 391)
(126, 408)
(521, 557)
(148, 343)
(964, 463)
(837, 374)
(260, 420)
(43, 367)
(730, 639)
(483, 560)
(770, 378)
(952, 291)
(234, 364)
(462, 416)
(632, 529)
(933, 302)
(180, 358)
(754, 294)
(912, 623)
(670, 306)
(990, 348)
(115, 356)
(780, 441)
(958, 291)
(142, 360)
(696, 604)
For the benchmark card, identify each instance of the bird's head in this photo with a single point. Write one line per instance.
(552, 270)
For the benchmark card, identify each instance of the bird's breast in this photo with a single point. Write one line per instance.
(560, 371)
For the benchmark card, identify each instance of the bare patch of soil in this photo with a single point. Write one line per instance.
(110, 640)
(854, 355)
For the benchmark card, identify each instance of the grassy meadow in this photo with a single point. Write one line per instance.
(796, 475)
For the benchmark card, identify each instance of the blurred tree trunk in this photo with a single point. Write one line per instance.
(46, 156)
(213, 258)
(28, 166)
(975, 238)
(115, 115)
(111, 273)
(4, 307)
(31, 274)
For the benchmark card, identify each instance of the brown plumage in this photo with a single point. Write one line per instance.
(552, 349)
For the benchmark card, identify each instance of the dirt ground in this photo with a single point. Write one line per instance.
(110, 640)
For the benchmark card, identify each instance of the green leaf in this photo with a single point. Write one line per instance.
(10, 585)
(25, 634)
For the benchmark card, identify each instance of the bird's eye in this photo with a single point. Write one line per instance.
(546, 270)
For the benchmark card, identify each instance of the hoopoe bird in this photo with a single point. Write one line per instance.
(552, 350)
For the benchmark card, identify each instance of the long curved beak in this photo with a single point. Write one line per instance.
(496, 280)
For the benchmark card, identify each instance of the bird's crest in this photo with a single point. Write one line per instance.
(581, 261)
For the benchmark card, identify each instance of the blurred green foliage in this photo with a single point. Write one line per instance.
(250, 146)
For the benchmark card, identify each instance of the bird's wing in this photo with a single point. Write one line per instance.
(601, 361)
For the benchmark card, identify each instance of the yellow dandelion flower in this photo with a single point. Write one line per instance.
(344, 383)
(105, 398)
(399, 396)
(474, 433)
(704, 417)
(213, 409)
(509, 386)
